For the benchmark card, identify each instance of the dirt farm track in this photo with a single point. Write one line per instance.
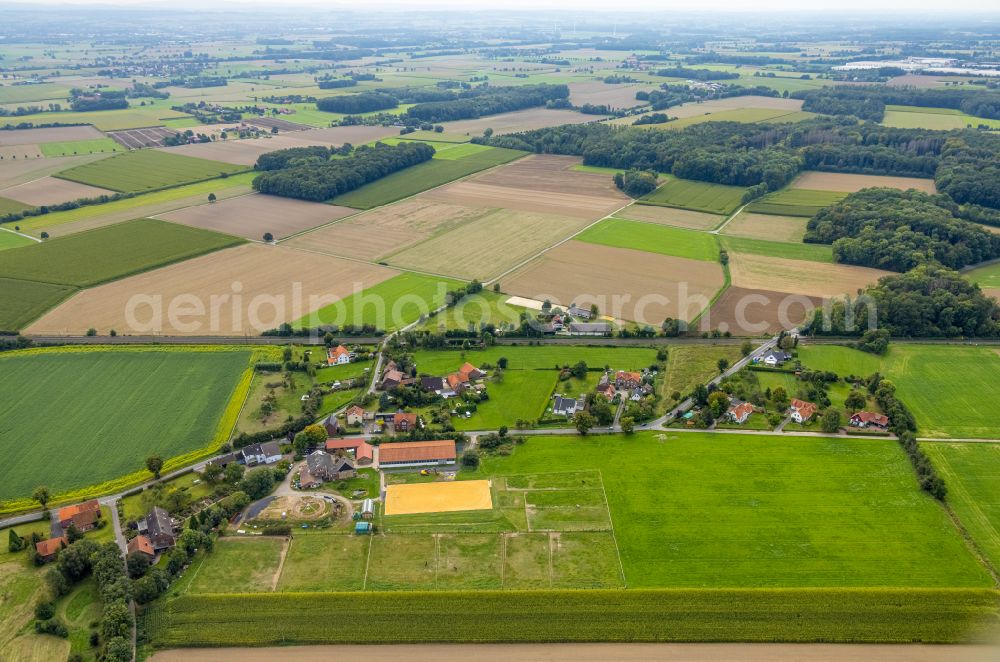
(592, 653)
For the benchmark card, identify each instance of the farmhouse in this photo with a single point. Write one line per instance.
(338, 355)
(802, 411)
(355, 415)
(391, 379)
(567, 406)
(325, 467)
(627, 380)
(142, 545)
(159, 528)
(331, 425)
(47, 549)
(867, 419)
(416, 453)
(404, 421)
(589, 329)
(739, 412)
(83, 516)
(579, 313)
(362, 450)
(267, 453)
(606, 388)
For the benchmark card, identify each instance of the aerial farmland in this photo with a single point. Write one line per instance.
(595, 334)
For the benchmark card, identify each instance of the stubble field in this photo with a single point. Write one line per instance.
(850, 183)
(811, 279)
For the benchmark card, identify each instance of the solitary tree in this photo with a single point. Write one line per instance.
(268, 237)
(211, 197)
(780, 398)
(41, 495)
(746, 348)
(15, 543)
(830, 421)
(584, 422)
(154, 463)
(628, 424)
(723, 364)
(855, 400)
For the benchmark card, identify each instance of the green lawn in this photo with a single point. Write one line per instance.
(986, 276)
(781, 249)
(795, 202)
(145, 170)
(390, 305)
(423, 176)
(74, 147)
(653, 238)
(759, 511)
(23, 301)
(12, 240)
(941, 119)
(105, 410)
(239, 565)
(486, 307)
(521, 357)
(109, 253)
(523, 395)
(972, 474)
(690, 365)
(697, 196)
(944, 386)
(8, 206)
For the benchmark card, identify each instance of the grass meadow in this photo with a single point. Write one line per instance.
(146, 170)
(389, 305)
(437, 362)
(795, 202)
(697, 196)
(485, 308)
(74, 147)
(986, 276)
(97, 256)
(11, 240)
(944, 386)
(653, 238)
(941, 119)
(23, 301)
(105, 410)
(972, 473)
(415, 179)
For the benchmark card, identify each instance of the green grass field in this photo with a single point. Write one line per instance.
(522, 395)
(146, 204)
(97, 256)
(11, 240)
(986, 276)
(486, 307)
(943, 385)
(809, 252)
(8, 206)
(697, 196)
(105, 410)
(653, 238)
(145, 170)
(903, 616)
(23, 301)
(74, 147)
(423, 176)
(248, 564)
(795, 202)
(972, 474)
(390, 305)
(35, 92)
(520, 357)
(942, 119)
(745, 115)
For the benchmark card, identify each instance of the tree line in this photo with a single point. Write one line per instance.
(313, 178)
(869, 102)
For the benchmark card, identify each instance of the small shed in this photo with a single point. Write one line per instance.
(368, 509)
(362, 528)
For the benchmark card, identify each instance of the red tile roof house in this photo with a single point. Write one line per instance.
(338, 355)
(363, 451)
(48, 549)
(740, 413)
(416, 453)
(802, 411)
(627, 380)
(141, 544)
(867, 419)
(404, 422)
(83, 516)
(355, 415)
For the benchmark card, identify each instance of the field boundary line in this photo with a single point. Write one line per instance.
(614, 536)
(368, 562)
(722, 226)
(281, 564)
(503, 559)
(21, 234)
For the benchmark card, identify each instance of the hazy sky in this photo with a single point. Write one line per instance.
(910, 7)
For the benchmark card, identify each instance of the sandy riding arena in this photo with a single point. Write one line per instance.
(438, 497)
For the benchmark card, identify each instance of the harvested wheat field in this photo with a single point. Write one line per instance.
(766, 226)
(51, 191)
(19, 171)
(624, 283)
(746, 312)
(520, 120)
(693, 109)
(243, 290)
(681, 218)
(847, 183)
(252, 215)
(237, 152)
(604, 94)
(816, 279)
(554, 174)
(380, 232)
(56, 134)
(474, 194)
(438, 497)
(16, 152)
(490, 245)
(338, 135)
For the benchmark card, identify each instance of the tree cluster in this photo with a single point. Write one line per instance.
(354, 104)
(325, 180)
